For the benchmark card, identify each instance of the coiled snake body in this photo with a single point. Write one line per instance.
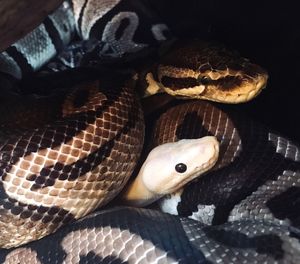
(257, 169)
(58, 166)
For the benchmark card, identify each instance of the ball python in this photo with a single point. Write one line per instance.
(180, 83)
(133, 235)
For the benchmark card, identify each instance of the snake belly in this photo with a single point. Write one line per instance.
(60, 171)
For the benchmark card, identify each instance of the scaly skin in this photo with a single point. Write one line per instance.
(202, 70)
(158, 176)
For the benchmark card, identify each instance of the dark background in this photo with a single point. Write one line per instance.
(266, 32)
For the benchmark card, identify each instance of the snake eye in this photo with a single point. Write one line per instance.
(204, 80)
(180, 167)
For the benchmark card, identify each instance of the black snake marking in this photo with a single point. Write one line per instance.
(111, 32)
(257, 175)
(121, 29)
(128, 235)
(242, 240)
(63, 169)
(28, 55)
(123, 26)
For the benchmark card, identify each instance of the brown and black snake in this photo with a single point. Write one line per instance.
(61, 161)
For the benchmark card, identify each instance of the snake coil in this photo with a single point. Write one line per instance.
(66, 153)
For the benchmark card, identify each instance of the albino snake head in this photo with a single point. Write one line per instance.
(170, 166)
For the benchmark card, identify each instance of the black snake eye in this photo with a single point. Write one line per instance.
(204, 80)
(180, 167)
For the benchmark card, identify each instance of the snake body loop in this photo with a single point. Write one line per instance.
(138, 236)
(61, 171)
(35, 49)
(256, 176)
(78, 150)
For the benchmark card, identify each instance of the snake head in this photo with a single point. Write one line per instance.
(203, 70)
(170, 166)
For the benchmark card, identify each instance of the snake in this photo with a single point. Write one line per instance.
(239, 202)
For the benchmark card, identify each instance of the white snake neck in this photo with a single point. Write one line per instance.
(158, 175)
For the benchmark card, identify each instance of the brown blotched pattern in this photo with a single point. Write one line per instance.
(198, 119)
(53, 174)
(205, 57)
(199, 69)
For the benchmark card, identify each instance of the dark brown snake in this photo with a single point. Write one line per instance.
(58, 169)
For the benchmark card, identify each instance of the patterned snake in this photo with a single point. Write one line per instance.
(57, 169)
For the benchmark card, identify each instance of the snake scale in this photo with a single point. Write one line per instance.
(246, 207)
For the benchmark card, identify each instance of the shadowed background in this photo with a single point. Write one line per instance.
(267, 32)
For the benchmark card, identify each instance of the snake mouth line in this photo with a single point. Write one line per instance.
(249, 89)
(223, 83)
(222, 86)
